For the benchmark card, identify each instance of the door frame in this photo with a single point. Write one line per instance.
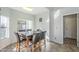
(64, 25)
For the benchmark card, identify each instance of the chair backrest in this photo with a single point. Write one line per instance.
(43, 34)
(36, 38)
(23, 36)
(18, 37)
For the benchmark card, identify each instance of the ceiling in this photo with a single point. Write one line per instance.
(35, 10)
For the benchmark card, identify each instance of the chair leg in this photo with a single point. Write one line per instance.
(44, 42)
(40, 45)
(32, 48)
(17, 47)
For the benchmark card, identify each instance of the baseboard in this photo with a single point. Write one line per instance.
(70, 38)
(55, 42)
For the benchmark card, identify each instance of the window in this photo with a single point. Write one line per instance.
(4, 27)
(29, 24)
(21, 25)
(24, 25)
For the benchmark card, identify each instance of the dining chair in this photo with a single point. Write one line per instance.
(18, 42)
(43, 37)
(20, 39)
(35, 42)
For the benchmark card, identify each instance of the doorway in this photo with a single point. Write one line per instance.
(70, 30)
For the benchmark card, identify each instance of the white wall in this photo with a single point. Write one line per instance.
(14, 16)
(70, 26)
(51, 26)
(44, 25)
(57, 20)
(56, 26)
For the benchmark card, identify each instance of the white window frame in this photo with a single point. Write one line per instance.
(4, 20)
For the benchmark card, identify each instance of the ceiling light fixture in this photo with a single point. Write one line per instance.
(27, 8)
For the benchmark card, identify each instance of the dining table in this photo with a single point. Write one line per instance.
(28, 36)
